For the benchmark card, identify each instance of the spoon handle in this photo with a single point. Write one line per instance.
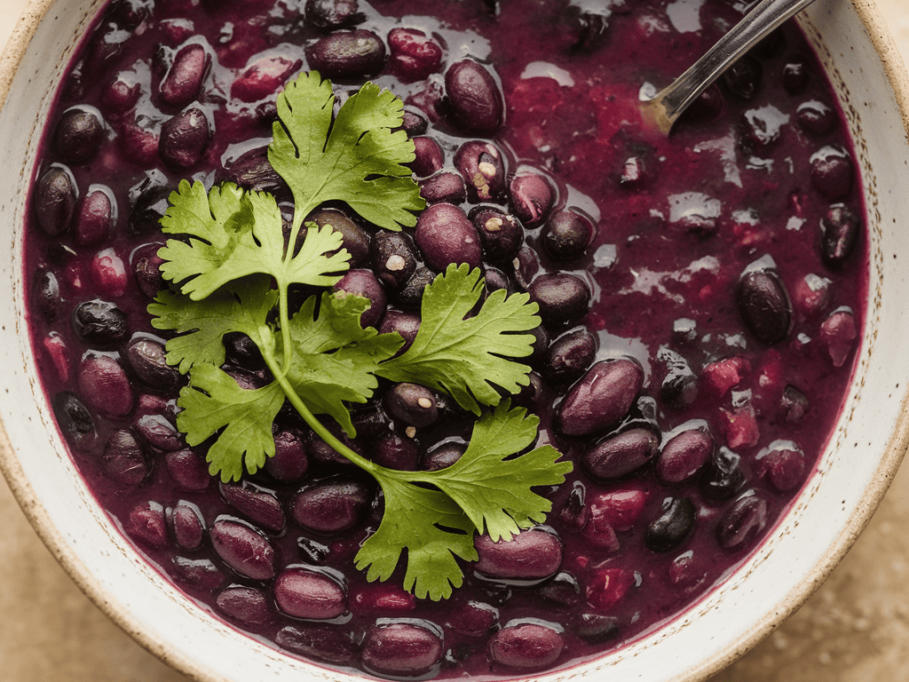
(670, 102)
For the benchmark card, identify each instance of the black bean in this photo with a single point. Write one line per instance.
(567, 235)
(412, 294)
(531, 196)
(601, 398)
(839, 234)
(147, 269)
(415, 122)
(253, 171)
(596, 628)
(96, 217)
(482, 166)
(816, 118)
(184, 138)
(621, 454)
(244, 604)
(679, 387)
(444, 235)
(569, 356)
(364, 283)
(405, 324)
(331, 507)
(395, 452)
(414, 55)
(831, 172)
(78, 135)
(684, 455)
(146, 524)
(500, 234)
(328, 15)
(310, 595)
(99, 323)
(743, 79)
(147, 358)
(187, 523)
(724, 477)
(673, 526)
(150, 201)
(794, 404)
(529, 555)
(75, 421)
(187, 470)
(400, 649)
(526, 646)
(795, 76)
(442, 455)
(159, 433)
(258, 504)
(290, 462)
(742, 522)
(46, 295)
(347, 54)
(412, 404)
(562, 298)
(429, 157)
(123, 459)
(184, 79)
(575, 513)
(444, 187)
(243, 549)
(474, 96)
(763, 303)
(393, 259)
(55, 200)
(104, 386)
(323, 643)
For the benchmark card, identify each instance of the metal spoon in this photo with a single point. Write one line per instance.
(667, 105)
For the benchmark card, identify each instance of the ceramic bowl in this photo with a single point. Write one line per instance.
(853, 475)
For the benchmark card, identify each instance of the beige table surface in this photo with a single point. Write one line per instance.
(855, 629)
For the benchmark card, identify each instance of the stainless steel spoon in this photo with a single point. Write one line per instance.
(667, 105)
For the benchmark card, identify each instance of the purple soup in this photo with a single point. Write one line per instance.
(701, 299)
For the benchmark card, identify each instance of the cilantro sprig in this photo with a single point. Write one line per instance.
(231, 269)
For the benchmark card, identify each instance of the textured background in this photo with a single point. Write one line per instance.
(855, 628)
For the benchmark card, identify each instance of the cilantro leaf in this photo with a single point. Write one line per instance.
(465, 357)
(242, 307)
(356, 158)
(243, 235)
(494, 488)
(334, 358)
(214, 401)
(431, 528)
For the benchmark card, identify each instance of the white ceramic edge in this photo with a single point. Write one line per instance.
(836, 505)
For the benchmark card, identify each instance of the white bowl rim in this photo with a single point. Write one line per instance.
(897, 445)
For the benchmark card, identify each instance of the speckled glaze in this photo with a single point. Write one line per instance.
(854, 472)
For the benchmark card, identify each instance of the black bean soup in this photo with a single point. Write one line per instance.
(701, 298)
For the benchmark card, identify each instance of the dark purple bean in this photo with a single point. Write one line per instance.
(562, 298)
(331, 507)
(323, 643)
(187, 523)
(146, 524)
(540, 345)
(241, 351)
(131, 13)
(794, 404)
(442, 456)
(148, 360)
(474, 96)
(55, 200)
(147, 269)
(323, 452)
(149, 200)
(347, 54)
(619, 455)
(472, 618)
(187, 470)
(159, 433)
(364, 283)
(724, 477)
(482, 166)
(413, 404)
(567, 235)
(495, 280)
(96, 217)
(764, 305)
(596, 628)
(429, 157)
(393, 259)
(601, 398)
(831, 172)
(329, 15)
(743, 79)
(706, 107)
(244, 604)
(415, 122)
(531, 196)
(795, 76)
(412, 294)
(444, 235)
(290, 462)
(563, 590)
(259, 505)
(46, 295)
(253, 171)
(78, 135)
(742, 522)
(400, 649)
(529, 555)
(673, 526)
(104, 386)
(184, 138)
(837, 334)
(783, 463)
(839, 234)
(444, 188)
(414, 55)
(679, 387)
(184, 80)
(200, 574)
(683, 456)
(405, 324)
(575, 513)
(75, 421)
(531, 394)
(394, 452)
(123, 459)
(243, 549)
(307, 594)
(816, 118)
(527, 646)
(500, 234)
(761, 128)
(356, 239)
(569, 356)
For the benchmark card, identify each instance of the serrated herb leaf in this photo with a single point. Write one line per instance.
(334, 358)
(495, 491)
(242, 307)
(214, 401)
(467, 357)
(243, 235)
(432, 529)
(356, 158)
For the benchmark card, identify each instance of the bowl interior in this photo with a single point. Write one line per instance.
(837, 502)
